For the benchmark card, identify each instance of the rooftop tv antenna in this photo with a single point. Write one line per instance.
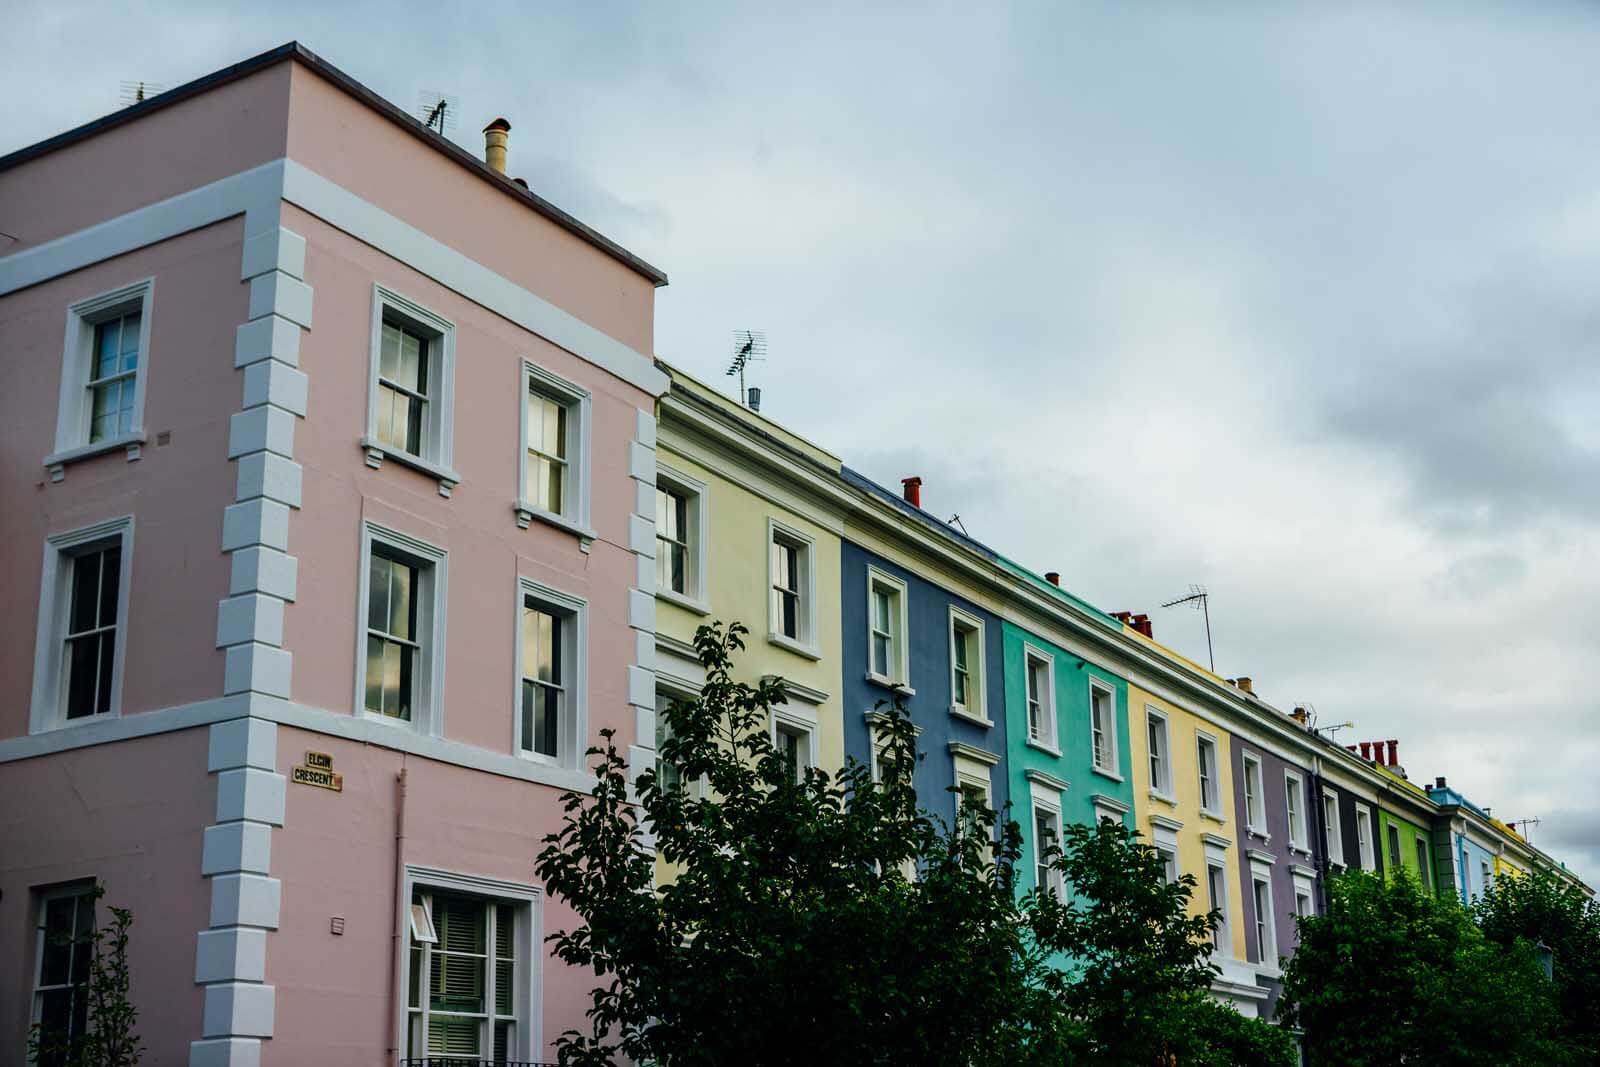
(438, 110)
(749, 346)
(137, 92)
(1198, 598)
(1336, 727)
(1521, 826)
(955, 520)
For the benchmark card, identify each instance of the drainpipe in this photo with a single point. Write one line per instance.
(397, 944)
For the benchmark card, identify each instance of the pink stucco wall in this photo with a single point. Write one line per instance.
(131, 815)
(348, 143)
(336, 856)
(170, 151)
(476, 525)
(176, 492)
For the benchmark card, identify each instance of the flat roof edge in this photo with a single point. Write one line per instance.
(294, 50)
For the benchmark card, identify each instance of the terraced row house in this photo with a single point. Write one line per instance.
(353, 504)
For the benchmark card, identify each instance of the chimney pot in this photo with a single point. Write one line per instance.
(1366, 750)
(1141, 623)
(1300, 715)
(1394, 752)
(913, 490)
(495, 137)
(1438, 783)
(1053, 577)
(752, 397)
(1246, 683)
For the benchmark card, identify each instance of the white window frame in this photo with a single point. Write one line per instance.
(876, 721)
(1046, 740)
(438, 449)
(879, 580)
(975, 768)
(529, 936)
(805, 610)
(1217, 859)
(1214, 810)
(74, 413)
(697, 515)
(433, 581)
(1109, 808)
(1255, 801)
(1333, 830)
(977, 676)
(1266, 924)
(42, 900)
(667, 691)
(1393, 848)
(1294, 788)
(1042, 805)
(1160, 785)
(574, 615)
(574, 514)
(1113, 742)
(48, 711)
(793, 719)
(1165, 841)
(1366, 843)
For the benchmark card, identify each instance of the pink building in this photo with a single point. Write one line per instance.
(328, 460)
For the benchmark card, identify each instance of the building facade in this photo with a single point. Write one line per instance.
(338, 512)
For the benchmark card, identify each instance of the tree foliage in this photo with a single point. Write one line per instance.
(1540, 908)
(809, 918)
(1394, 974)
(110, 1037)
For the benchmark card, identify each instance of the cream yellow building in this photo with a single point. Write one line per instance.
(746, 532)
(1169, 812)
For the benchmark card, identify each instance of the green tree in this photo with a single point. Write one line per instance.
(1138, 971)
(109, 1038)
(789, 931)
(1393, 974)
(1540, 908)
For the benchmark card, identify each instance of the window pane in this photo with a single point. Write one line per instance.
(107, 399)
(413, 363)
(413, 411)
(547, 666)
(378, 570)
(961, 650)
(83, 665)
(555, 479)
(547, 720)
(58, 932)
(106, 345)
(106, 639)
(85, 592)
(555, 430)
(453, 1036)
(110, 577)
(880, 654)
(389, 353)
(130, 340)
(402, 621)
(791, 615)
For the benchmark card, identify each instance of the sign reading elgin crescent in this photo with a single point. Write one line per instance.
(318, 771)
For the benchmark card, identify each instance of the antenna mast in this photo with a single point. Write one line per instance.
(438, 110)
(1522, 826)
(749, 346)
(1199, 598)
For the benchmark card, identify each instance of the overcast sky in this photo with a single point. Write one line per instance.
(1295, 301)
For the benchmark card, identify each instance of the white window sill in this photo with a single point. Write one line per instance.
(699, 607)
(791, 645)
(1300, 849)
(377, 452)
(899, 688)
(1102, 772)
(1042, 747)
(966, 716)
(1214, 816)
(1166, 798)
(408, 725)
(541, 759)
(56, 462)
(527, 513)
(61, 723)
(1260, 835)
